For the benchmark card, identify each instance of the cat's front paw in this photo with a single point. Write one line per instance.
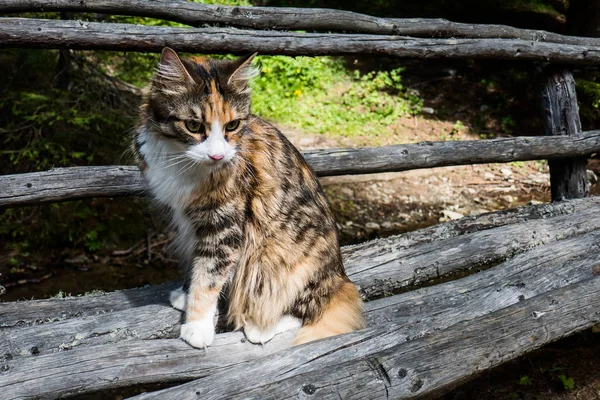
(199, 334)
(177, 299)
(259, 336)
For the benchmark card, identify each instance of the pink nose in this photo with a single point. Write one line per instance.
(216, 157)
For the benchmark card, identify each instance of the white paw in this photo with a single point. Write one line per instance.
(199, 334)
(257, 336)
(177, 299)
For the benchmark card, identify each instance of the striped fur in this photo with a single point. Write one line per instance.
(252, 220)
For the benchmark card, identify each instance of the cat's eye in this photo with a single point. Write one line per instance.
(232, 126)
(195, 126)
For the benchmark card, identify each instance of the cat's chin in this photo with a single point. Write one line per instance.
(216, 165)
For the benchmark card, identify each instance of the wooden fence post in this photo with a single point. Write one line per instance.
(560, 113)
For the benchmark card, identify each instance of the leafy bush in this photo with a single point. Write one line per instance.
(589, 99)
(319, 95)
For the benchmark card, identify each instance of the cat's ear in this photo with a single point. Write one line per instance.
(170, 69)
(242, 72)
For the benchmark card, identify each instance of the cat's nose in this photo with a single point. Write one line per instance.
(216, 157)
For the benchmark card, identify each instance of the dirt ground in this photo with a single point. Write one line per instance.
(377, 205)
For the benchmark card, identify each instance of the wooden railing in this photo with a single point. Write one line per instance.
(62, 184)
(373, 36)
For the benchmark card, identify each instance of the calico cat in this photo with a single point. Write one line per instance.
(252, 220)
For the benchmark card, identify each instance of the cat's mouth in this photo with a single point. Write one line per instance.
(216, 157)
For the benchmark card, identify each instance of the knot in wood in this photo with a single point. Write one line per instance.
(309, 389)
(416, 385)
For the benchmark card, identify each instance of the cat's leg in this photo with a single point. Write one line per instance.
(177, 298)
(209, 275)
(260, 336)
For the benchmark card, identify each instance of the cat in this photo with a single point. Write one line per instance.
(252, 220)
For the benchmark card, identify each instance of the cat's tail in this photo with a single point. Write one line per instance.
(343, 314)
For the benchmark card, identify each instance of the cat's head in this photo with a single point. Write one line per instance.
(200, 104)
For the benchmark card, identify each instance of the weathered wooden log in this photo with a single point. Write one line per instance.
(160, 321)
(402, 317)
(62, 184)
(356, 258)
(423, 368)
(49, 34)
(37, 312)
(385, 270)
(568, 177)
(292, 19)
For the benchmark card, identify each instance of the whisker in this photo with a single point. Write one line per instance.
(174, 163)
(182, 171)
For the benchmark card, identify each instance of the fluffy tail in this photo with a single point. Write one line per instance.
(343, 314)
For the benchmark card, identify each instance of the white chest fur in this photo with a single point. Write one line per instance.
(171, 175)
(172, 178)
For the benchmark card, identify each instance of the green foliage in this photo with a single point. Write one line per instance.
(589, 97)
(525, 380)
(507, 124)
(92, 239)
(457, 128)
(568, 383)
(319, 95)
(45, 125)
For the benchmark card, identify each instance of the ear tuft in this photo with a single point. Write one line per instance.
(170, 68)
(243, 71)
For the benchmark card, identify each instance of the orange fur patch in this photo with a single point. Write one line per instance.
(343, 314)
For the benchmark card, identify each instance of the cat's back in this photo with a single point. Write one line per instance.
(282, 171)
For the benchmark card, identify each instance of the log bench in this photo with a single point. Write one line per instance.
(443, 303)
(536, 280)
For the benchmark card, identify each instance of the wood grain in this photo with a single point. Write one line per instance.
(378, 364)
(53, 34)
(292, 19)
(409, 316)
(63, 184)
(560, 111)
(37, 312)
(382, 268)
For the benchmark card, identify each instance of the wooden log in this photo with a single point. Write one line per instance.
(62, 184)
(50, 34)
(36, 312)
(467, 297)
(403, 317)
(568, 177)
(367, 256)
(74, 183)
(292, 19)
(419, 369)
(158, 321)
(384, 270)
